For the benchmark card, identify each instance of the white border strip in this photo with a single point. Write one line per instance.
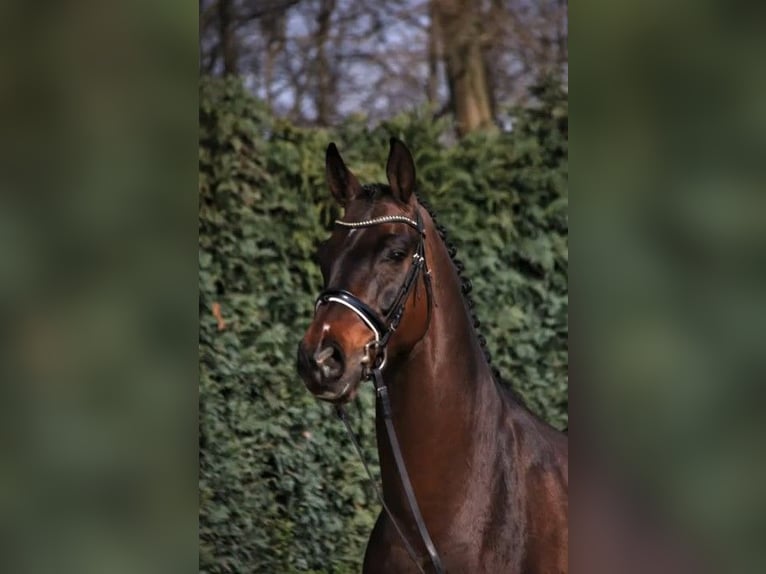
(345, 303)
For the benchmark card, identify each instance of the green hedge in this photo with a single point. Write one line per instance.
(280, 487)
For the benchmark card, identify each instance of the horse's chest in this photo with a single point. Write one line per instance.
(460, 551)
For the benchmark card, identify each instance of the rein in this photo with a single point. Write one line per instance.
(383, 329)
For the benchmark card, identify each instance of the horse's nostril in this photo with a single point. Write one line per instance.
(324, 354)
(323, 367)
(329, 361)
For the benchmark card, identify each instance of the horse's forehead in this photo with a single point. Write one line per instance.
(361, 209)
(352, 251)
(353, 246)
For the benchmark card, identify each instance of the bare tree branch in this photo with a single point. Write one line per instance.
(318, 60)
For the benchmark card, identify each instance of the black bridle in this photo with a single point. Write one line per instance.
(383, 328)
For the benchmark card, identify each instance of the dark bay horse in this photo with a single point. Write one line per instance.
(489, 477)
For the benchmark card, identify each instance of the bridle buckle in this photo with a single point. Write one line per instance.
(380, 357)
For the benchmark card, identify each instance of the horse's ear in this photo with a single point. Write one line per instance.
(342, 182)
(400, 170)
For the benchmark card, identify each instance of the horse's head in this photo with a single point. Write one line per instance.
(376, 300)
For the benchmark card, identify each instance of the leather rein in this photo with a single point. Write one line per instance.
(382, 329)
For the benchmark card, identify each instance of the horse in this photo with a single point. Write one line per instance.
(489, 478)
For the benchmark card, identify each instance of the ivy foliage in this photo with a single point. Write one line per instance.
(280, 487)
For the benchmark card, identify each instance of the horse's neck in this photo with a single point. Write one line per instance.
(442, 393)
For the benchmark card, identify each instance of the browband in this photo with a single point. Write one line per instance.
(382, 219)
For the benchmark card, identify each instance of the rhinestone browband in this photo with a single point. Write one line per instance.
(377, 220)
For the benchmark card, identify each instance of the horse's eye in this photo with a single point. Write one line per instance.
(397, 255)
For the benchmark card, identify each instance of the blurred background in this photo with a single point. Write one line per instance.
(478, 92)
(98, 287)
(669, 235)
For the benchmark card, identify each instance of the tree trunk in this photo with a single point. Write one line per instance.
(432, 89)
(466, 73)
(562, 36)
(229, 49)
(325, 89)
(273, 28)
